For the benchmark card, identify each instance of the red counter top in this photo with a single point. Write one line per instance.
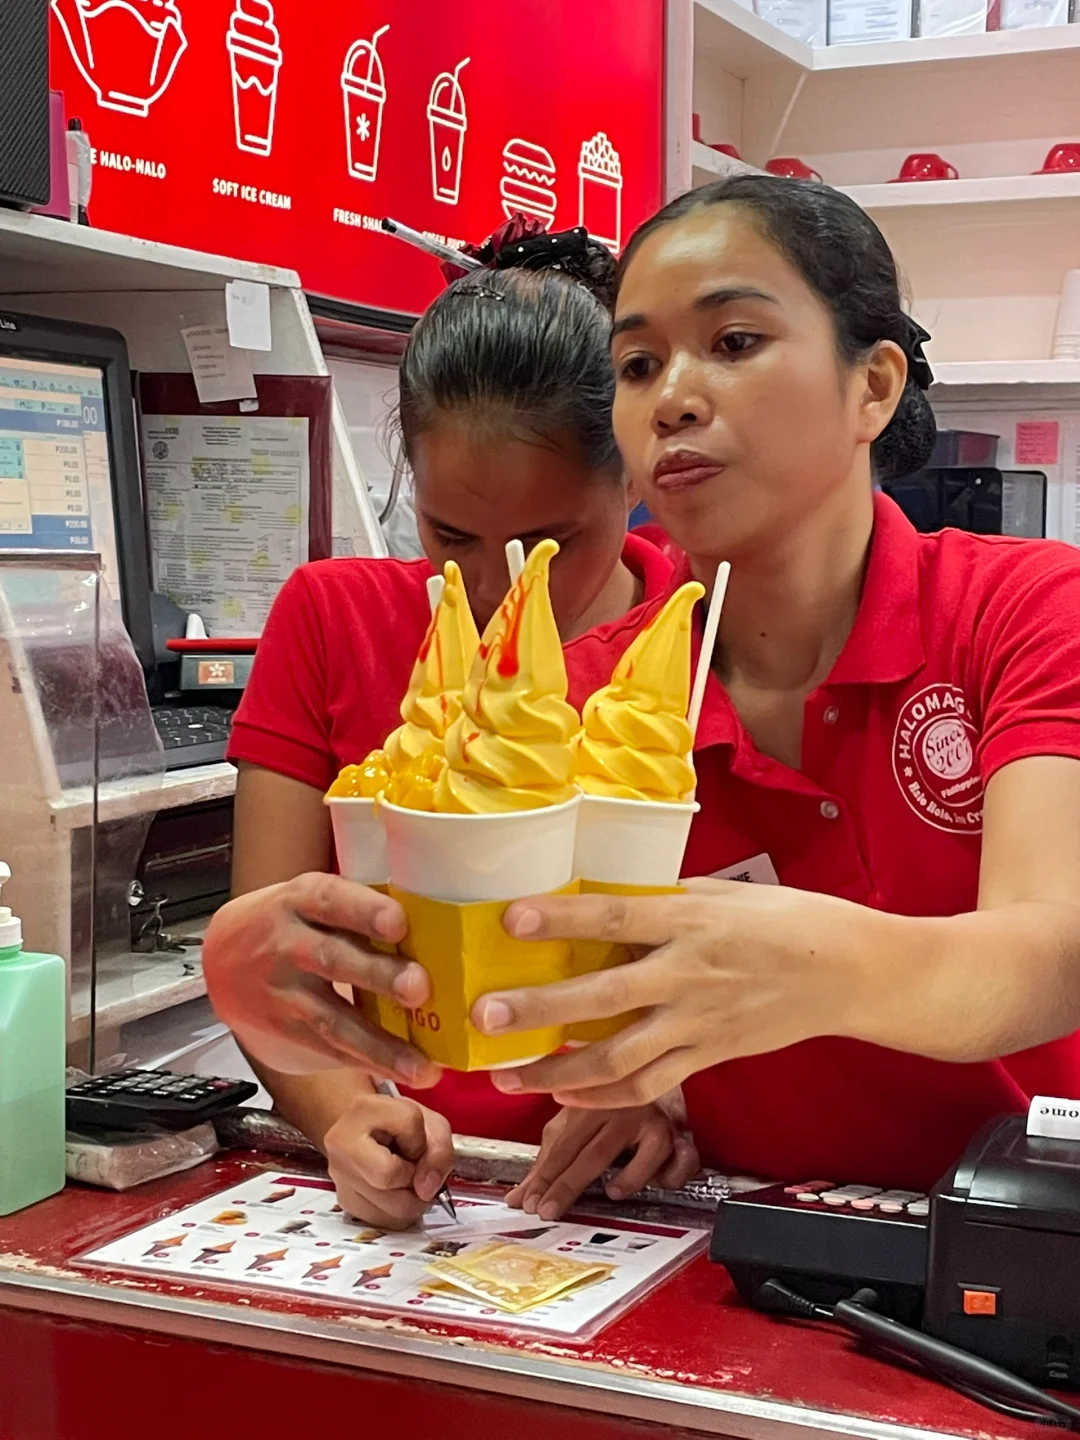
(110, 1350)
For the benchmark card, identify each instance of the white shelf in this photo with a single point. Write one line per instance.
(1007, 372)
(948, 49)
(120, 799)
(40, 255)
(715, 163)
(1002, 190)
(743, 44)
(132, 986)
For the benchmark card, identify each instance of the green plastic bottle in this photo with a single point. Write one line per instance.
(33, 1002)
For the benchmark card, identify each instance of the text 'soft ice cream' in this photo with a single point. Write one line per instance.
(635, 743)
(510, 747)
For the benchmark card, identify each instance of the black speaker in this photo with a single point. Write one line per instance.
(24, 102)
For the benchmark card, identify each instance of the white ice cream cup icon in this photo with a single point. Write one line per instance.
(447, 121)
(255, 55)
(600, 183)
(363, 86)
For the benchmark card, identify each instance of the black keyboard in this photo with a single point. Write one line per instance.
(192, 734)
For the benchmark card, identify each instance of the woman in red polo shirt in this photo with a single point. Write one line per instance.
(506, 391)
(892, 732)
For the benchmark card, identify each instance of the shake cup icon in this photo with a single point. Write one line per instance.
(364, 91)
(600, 183)
(255, 54)
(447, 121)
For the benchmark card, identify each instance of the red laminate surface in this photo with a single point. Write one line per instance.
(692, 1331)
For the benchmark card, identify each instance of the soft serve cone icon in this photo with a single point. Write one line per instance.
(126, 50)
(255, 60)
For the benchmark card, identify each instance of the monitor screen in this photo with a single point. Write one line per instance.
(55, 477)
(69, 461)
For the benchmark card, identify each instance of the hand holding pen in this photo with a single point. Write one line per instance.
(389, 1158)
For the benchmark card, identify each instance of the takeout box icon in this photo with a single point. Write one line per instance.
(126, 50)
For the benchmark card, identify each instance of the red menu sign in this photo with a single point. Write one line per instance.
(283, 130)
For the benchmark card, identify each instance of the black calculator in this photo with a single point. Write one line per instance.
(151, 1099)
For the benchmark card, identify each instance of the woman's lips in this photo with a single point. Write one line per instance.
(683, 469)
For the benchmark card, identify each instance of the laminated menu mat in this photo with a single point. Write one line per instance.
(497, 1266)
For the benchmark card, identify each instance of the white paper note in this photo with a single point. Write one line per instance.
(228, 501)
(221, 372)
(247, 312)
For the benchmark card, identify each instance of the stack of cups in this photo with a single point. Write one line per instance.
(1067, 330)
(454, 875)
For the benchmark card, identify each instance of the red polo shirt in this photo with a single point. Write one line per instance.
(333, 664)
(964, 656)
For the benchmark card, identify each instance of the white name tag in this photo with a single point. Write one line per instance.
(1054, 1119)
(758, 871)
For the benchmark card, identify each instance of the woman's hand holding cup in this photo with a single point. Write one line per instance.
(272, 958)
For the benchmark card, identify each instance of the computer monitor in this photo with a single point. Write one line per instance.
(69, 459)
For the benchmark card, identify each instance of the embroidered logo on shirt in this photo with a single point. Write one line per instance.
(934, 760)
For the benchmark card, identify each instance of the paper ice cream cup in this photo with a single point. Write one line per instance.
(631, 842)
(467, 858)
(360, 840)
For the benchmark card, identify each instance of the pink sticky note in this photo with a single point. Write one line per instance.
(1038, 442)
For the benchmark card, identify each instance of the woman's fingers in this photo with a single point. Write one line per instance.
(339, 904)
(578, 1173)
(637, 985)
(438, 1158)
(333, 1026)
(629, 920)
(683, 1165)
(655, 1144)
(563, 1139)
(591, 1068)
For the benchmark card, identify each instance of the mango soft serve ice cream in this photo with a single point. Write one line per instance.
(415, 751)
(411, 759)
(635, 743)
(510, 748)
(362, 782)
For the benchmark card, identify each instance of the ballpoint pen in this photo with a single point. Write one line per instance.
(430, 247)
(443, 1198)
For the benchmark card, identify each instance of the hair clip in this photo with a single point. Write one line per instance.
(918, 365)
(480, 292)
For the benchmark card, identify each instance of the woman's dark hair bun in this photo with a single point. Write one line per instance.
(573, 253)
(907, 442)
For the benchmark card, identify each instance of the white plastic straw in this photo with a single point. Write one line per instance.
(515, 560)
(708, 644)
(435, 586)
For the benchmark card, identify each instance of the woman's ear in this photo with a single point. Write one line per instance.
(886, 376)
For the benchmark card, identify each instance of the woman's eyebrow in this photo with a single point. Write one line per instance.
(715, 298)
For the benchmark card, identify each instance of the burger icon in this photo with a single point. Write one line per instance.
(528, 182)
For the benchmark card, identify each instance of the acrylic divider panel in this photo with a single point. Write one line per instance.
(287, 1233)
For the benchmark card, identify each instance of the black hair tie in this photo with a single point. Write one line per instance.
(918, 365)
(544, 252)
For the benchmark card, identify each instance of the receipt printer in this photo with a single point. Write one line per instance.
(1003, 1279)
(991, 1264)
